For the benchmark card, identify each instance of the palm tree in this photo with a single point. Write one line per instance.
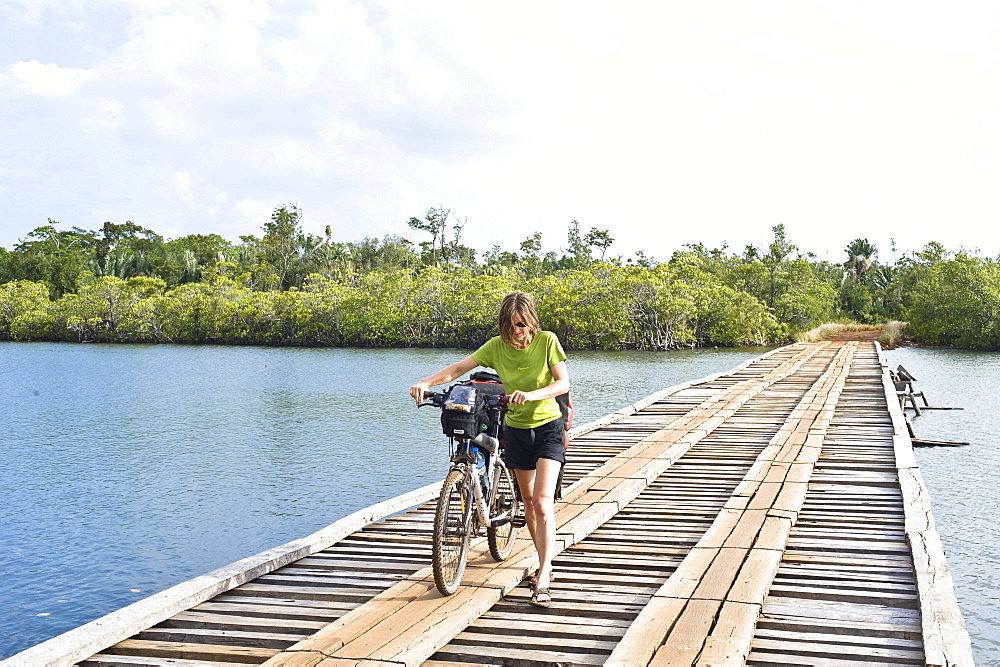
(862, 257)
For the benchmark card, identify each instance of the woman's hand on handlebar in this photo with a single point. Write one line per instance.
(418, 391)
(519, 397)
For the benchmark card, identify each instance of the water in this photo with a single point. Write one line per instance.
(128, 469)
(964, 482)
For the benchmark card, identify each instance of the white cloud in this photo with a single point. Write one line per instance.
(254, 213)
(183, 184)
(665, 123)
(49, 79)
(169, 121)
(105, 115)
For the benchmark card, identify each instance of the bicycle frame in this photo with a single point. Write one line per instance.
(462, 458)
(464, 506)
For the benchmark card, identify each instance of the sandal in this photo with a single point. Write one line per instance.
(533, 578)
(536, 595)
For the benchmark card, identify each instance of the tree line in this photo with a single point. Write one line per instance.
(126, 283)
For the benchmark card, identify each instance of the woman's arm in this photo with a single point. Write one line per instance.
(559, 385)
(456, 370)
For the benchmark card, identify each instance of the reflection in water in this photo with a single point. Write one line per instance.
(127, 469)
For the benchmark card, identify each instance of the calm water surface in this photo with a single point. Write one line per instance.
(127, 469)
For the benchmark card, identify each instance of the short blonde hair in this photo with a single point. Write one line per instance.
(517, 306)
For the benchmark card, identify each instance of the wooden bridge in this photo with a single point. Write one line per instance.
(770, 515)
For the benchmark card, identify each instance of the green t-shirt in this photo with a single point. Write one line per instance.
(528, 369)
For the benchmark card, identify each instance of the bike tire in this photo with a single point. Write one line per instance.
(501, 538)
(453, 521)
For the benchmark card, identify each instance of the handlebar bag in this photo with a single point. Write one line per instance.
(488, 384)
(458, 416)
(464, 414)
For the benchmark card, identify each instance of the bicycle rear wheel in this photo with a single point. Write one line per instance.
(452, 528)
(505, 504)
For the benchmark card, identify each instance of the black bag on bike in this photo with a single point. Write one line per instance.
(465, 414)
(458, 416)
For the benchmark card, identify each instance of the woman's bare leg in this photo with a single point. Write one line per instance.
(538, 491)
(525, 483)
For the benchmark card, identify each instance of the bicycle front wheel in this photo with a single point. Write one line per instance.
(452, 528)
(504, 507)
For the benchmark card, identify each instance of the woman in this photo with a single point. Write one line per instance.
(532, 366)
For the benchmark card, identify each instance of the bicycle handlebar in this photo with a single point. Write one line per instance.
(437, 400)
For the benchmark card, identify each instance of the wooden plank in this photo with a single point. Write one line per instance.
(223, 637)
(720, 575)
(755, 577)
(821, 636)
(729, 641)
(687, 637)
(528, 657)
(840, 626)
(747, 529)
(108, 660)
(836, 610)
(843, 652)
(184, 651)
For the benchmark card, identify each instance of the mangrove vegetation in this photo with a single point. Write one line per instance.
(126, 283)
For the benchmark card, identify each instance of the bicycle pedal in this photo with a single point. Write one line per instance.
(518, 522)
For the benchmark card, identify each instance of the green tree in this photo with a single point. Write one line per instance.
(126, 250)
(53, 256)
(282, 243)
(530, 260)
(857, 295)
(724, 315)
(578, 250)
(657, 309)
(955, 302)
(17, 298)
(391, 253)
(109, 309)
(774, 260)
(206, 248)
(497, 261)
(862, 257)
(598, 238)
(328, 300)
(803, 301)
(435, 223)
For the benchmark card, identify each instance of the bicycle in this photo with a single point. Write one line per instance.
(479, 492)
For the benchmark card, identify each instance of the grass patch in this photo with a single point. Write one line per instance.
(824, 331)
(893, 333)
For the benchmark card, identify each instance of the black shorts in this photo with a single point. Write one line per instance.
(524, 446)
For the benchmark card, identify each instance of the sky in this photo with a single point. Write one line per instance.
(664, 123)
